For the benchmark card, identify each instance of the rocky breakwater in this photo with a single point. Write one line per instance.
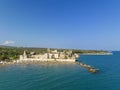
(90, 68)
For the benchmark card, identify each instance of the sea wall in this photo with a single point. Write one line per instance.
(61, 60)
(66, 60)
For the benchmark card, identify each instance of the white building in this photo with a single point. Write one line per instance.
(56, 56)
(49, 56)
(54, 51)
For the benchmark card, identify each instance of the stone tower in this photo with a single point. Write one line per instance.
(48, 50)
(24, 55)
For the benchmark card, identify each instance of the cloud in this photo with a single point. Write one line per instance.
(7, 42)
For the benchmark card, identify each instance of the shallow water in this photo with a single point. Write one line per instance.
(61, 76)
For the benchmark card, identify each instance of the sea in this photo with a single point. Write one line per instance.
(63, 76)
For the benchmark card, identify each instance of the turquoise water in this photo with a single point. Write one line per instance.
(60, 76)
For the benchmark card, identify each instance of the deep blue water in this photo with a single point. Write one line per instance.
(60, 76)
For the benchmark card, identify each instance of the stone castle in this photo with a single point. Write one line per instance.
(50, 55)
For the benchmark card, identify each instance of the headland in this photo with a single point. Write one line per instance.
(20, 55)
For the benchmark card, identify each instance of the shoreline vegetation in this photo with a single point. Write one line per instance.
(11, 55)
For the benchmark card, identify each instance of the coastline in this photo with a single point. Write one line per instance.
(97, 53)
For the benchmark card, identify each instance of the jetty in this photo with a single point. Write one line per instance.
(89, 67)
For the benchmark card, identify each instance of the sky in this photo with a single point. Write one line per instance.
(76, 24)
